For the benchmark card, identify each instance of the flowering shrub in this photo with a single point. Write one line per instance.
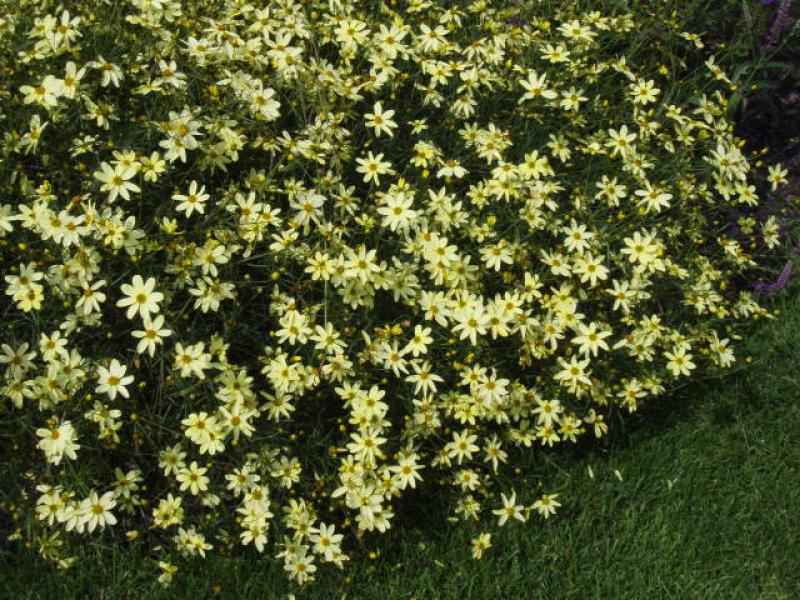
(268, 270)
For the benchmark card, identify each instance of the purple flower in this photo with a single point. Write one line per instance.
(780, 283)
(779, 22)
(517, 19)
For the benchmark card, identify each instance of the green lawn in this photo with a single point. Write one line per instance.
(708, 507)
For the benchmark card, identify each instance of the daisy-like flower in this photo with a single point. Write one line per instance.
(578, 238)
(590, 339)
(57, 442)
(96, 511)
(397, 212)
(406, 471)
(53, 347)
(116, 181)
(18, 360)
(380, 120)
(263, 104)
(168, 571)
(326, 541)
(573, 373)
(192, 360)
(294, 328)
(547, 505)
(462, 447)
(653, 198)
(470, 323)
(45, 94)
(168, 512)
(91, 297)
(644, 92)
(496, 255)
(193, 201)
(301, 567)
(153, 166)
(153, 334)
(361, 264)
(536, 87)
(480, 544)
(389, 40)
(366, 444)
(547, 411)
(422, 378)
(140, 297)
(112, 381)
(680, 362)
(373, 166)
(776, 175)
(611, 190)
(351, 32)
(451, 168)
(193, 479)
(509, 510)
(418, 344)
(72, 80)
(432, 40)
(111, 72)
(571, 99)
(66, 31)
(620, 141)
(590, 268)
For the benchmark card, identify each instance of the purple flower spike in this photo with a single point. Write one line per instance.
(779, 22)
(780, 283)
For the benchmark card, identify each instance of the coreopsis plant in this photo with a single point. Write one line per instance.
(270, 267)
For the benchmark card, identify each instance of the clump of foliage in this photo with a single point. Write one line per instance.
(269, 269)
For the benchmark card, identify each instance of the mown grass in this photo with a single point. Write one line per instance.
(708, 506)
